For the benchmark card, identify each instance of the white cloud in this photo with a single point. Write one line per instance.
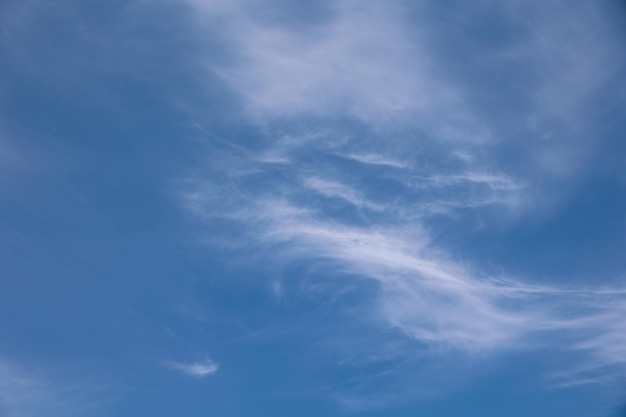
(348, 67)
(375, 159)
(424, 292)
(438, 301)
(426, 295)
(365, 63)
(196, 369)
(335, 189)
(429, 299)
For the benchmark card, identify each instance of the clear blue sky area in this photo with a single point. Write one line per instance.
(266, 208)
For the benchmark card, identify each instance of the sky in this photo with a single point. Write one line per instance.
(312, 208)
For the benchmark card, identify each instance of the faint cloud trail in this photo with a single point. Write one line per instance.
(195, 369)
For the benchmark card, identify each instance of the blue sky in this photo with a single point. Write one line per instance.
(324, 208)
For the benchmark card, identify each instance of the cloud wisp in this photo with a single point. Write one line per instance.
(309, 214)
(199, 369)
(338, 65)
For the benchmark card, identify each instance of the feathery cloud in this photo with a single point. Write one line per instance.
(395, 141)
(196, 369)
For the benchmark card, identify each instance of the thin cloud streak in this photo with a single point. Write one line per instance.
(195, 369)
(375, 159)
(334, 189)
(433, 299)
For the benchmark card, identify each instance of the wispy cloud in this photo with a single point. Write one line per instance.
(337, 190)
(339, 65)
(196, 369)
(423, 292)
(408, 147)
(376, 159)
